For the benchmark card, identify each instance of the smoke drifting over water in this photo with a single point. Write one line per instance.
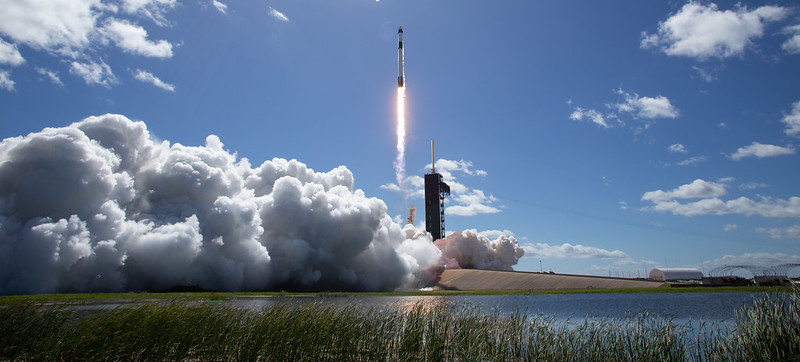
(101, 206)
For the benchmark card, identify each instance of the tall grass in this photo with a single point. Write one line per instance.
(769, 330)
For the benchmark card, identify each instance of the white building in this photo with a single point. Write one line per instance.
(676, 274)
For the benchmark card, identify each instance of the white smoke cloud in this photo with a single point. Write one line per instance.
(470, 250)
(101, 206)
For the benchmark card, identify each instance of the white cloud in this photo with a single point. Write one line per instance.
(463, 200)
(567, 250)
(148, 77)
(60, 26)
(792, 45)
(646, 107)
(9, 54)
(705, 75)
(766, 207)
(752, 186)
(278, 15)
(792, 120)
(443, 165)
(5, 80)
(679, 148)
(152, 9)
(220, 6)
(703, 31)
(52, 75)
(580, 114)
(133, 38)
(693, 160)
(730, 227)
(791, 232)
(94, 73)
(761, 150)
(472, 203)
(697, 189)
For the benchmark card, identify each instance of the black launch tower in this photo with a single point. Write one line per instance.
(435, 191)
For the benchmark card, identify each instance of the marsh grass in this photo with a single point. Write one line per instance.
(198, 330)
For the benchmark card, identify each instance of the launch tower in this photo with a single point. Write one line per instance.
(435, 191)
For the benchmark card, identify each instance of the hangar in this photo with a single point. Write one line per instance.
(676, 274)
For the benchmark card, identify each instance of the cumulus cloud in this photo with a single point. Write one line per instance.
(133, 39)
(703, 31)
(5, 80)
(471, 250)
(791, 232)
(697, 189)
(752, 185)
(730, 227)
(148, 77)
(711, 204)
(792, 120)
(760, 151)
(641, 108)
(59, 26)
(678, 148)
(101, 205)
(9, 54)
(567, 250)
(74, 31)
(94, 73)
(646, 107)
(278, 15)
(463, 200)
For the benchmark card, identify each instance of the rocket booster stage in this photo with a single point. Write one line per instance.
(401, 81)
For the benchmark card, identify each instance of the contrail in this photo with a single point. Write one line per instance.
(400, 161)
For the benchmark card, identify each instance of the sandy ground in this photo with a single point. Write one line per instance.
(470, 279)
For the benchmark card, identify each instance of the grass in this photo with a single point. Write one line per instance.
(96, 297)
(196, 330)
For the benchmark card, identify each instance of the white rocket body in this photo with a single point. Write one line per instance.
(401, 77)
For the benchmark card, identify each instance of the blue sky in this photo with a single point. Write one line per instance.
(607, 137)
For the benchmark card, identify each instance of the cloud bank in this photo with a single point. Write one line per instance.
(101, 205)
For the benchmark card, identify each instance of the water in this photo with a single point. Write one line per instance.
(681, 308)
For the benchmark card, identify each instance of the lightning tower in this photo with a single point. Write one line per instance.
(435, 192)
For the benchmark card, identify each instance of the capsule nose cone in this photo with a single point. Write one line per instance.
(400, 30)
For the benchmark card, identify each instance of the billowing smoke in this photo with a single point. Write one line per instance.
(101, 206)
(470, 250)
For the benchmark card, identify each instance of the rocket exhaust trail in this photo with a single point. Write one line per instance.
(400, 161)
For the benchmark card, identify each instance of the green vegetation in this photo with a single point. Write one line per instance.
(96, 297)
(197, 329)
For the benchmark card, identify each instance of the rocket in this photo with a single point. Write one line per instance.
(401, 81)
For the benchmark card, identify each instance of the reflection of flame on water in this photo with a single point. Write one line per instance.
(400, 161)
(423, 305)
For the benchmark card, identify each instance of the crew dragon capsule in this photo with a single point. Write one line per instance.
(401, 81)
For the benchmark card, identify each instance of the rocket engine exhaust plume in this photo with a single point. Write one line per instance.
(400, 160)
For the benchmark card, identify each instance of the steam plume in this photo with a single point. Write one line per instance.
(101, 206)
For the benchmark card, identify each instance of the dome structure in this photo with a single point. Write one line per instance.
(675, 274)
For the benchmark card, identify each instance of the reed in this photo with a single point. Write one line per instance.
(206, 330)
